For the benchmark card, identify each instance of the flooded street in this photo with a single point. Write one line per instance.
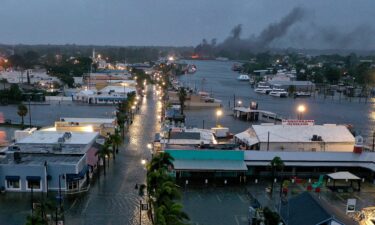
(112, 198)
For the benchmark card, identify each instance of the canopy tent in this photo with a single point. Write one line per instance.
(344, 176)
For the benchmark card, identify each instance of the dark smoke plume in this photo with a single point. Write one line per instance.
(278, 30)
(267, 36)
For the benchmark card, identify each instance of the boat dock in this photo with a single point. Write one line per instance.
(248, 114)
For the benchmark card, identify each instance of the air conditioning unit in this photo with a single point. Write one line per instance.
(14, 148)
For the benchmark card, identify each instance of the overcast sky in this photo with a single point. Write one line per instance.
(166, 22)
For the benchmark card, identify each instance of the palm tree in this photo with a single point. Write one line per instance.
(22, 112)
(103, 153)
(167, 192)
(115, 140)
(276, 164)
(161, 161)
(182, 98)
(170, 214)
(121, 122)
(175, 215)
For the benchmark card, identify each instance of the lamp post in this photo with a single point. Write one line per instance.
(239, 103)
(60, 196)
(218, 114)
(301, 109)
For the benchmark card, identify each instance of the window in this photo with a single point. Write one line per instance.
(13, 184)
(33, 184)
(73, 185)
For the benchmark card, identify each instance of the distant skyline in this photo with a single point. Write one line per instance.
(184, 23)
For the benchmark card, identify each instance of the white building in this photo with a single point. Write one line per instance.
(108, 95)
(271, 137)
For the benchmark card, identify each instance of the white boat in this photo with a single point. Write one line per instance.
(281, 93)
(302, 94)
(263, 90)
(243, 77)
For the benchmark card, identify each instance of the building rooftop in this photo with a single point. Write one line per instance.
(297, 133)
(40, 159)
(193, 136)
(117, 89)
(88, 120)
(312, 159)
(304, 209)
(52, 137)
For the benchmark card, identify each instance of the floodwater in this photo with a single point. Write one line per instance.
(216, 77)
(112, 198)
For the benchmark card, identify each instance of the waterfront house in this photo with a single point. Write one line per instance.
(112, 94)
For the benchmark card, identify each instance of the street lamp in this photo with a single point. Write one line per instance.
(301, 109)
(218, 114)
(239, 103)
(143, 162)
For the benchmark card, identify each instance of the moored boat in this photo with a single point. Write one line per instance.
(281, 93)
(301, 94)
(243, 77)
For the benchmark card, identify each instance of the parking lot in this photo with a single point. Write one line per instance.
(216, 206)
(229, 205)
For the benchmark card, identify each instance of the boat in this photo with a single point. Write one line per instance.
(243, 77)
(277, 92)
(300, 94)
(191, 69)
(263, 90)
(237, 67)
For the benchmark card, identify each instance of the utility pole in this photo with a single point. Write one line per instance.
(373, 141)
(268, 141)
(140, 212)
(29, 112)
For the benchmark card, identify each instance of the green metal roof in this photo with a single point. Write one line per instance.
(207, 155)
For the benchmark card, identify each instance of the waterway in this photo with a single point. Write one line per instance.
(216, 77)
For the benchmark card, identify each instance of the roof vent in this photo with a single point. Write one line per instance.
(61, 140)
(67, 135)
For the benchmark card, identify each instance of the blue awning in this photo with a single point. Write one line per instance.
(33, 178)
(12, 178)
